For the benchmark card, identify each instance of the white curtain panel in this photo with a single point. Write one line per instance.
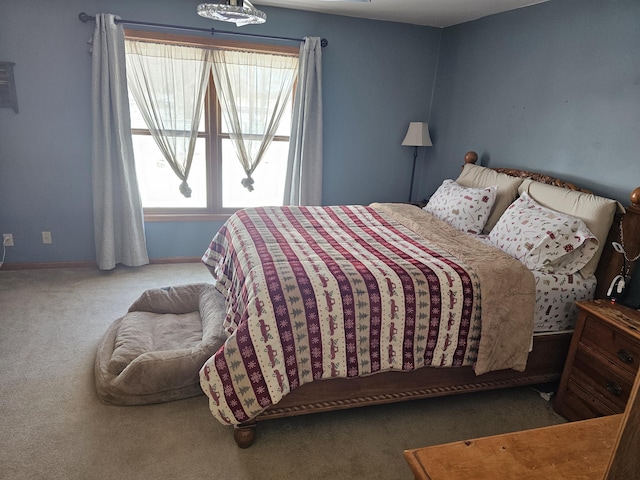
(117, 209)
(304, 169)
(168, 83)
(253, 89)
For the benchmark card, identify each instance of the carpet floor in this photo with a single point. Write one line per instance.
(53, 426)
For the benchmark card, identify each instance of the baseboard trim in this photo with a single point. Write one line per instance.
(88, 264)
(176, 260)
(47, 265)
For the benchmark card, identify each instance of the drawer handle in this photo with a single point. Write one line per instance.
(625, 356)
(614, 389)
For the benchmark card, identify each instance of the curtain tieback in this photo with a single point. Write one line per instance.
(185, 189)
(247, 183)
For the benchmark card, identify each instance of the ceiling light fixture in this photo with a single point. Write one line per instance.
(240, 12)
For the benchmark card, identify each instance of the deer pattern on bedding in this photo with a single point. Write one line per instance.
(320, 292)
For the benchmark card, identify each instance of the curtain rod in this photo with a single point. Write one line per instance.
(84, 18)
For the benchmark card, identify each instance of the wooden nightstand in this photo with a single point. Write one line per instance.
(602, 362)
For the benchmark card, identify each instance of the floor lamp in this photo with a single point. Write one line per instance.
(417, 136)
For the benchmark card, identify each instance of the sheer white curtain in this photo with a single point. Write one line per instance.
(168, 83)
(117, 209)
(304, 169)
(253, 89)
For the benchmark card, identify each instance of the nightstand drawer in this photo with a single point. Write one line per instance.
(602, 362)
(579, 404)
(607, 383)
(619, 349)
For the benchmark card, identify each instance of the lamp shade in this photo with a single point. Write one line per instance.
(417, 135)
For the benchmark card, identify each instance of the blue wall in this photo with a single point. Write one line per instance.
(374, 73)
(554, 87)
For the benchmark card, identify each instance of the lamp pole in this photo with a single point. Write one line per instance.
(417, 136)
(413, 171)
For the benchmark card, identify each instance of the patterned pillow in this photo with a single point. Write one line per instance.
(477, 177)
(465, 208)
(596, 212)
(543, 239)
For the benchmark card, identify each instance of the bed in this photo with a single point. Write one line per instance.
(344, 306)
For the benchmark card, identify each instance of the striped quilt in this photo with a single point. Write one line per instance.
(320, 292)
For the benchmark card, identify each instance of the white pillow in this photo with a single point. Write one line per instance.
(467, 209)
(543, 239)
(596, 212)
(476, 176)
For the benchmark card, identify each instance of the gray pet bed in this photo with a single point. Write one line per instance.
(154, 353)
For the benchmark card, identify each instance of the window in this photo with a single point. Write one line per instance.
(216, 173)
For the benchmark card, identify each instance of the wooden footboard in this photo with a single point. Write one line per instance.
(544, 364)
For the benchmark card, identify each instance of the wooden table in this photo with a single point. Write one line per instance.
(578, 450)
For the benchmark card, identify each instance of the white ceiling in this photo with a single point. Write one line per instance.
(433, 13)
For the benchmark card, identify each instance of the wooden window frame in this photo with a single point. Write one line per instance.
(213, 210)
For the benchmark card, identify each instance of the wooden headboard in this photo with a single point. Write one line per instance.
(626, 225)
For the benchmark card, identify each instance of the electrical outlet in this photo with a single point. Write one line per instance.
(7, 239)
(46, 238)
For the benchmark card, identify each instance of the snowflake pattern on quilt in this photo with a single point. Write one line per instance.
(322, 292)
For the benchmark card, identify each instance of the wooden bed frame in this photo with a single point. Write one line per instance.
(545, 362)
